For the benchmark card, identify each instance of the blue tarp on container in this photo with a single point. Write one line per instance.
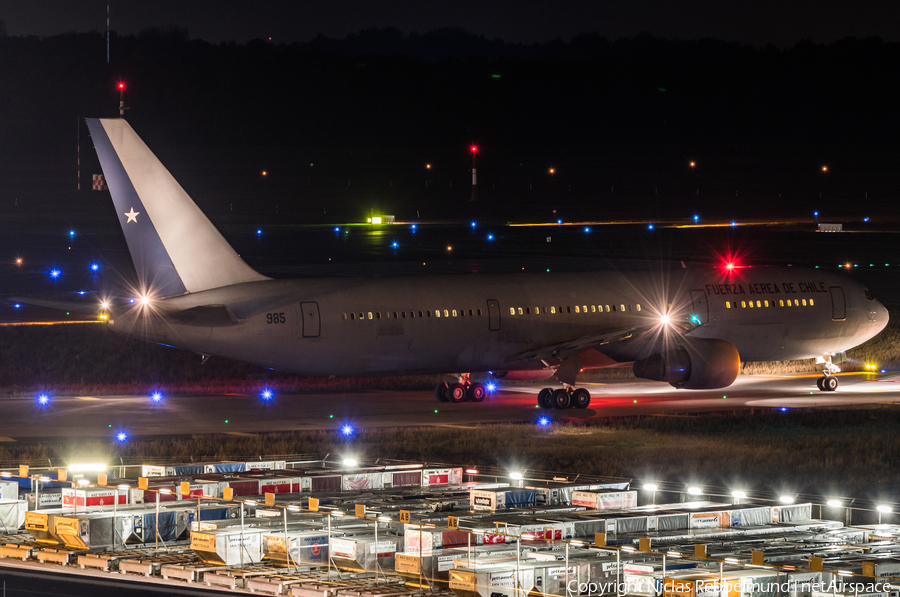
(188, 469)
(166, 526)
(229, 467)
(521, 499)
(25, 482)
(214, 514)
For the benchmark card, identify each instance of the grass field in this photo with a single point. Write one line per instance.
(839, 452)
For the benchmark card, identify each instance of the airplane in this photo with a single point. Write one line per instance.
(690, 327)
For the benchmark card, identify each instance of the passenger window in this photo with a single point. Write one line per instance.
(751, 304)
(446, 313)
(766, 303)
(420, 314)
(614, 308)
(453, 313)
(568, 309)
(728, 304)
(479, 312)
(743, 304)
(470, 312)
(404, 314)
(370, 315)
(537, 310)
(345, 317)
(553, 310)
(621, 307)
(593, 308)
(758, 304)
(577, 310)
(638, 306)
(796, 303)
(387, 314)
(377, 314)
(362, 316)
(607, 308)
(584, 308)
(512, 310)
(428, 313)
(527, 310)
(804, 302)
(781, 303)
(395, 315)
(437, 312)
(811, 303)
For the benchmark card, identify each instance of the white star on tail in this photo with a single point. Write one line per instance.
(132, 215)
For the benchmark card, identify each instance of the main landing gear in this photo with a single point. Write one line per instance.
(567, 397)
(828, 382)
(460, 392)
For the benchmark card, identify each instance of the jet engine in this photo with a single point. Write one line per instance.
(695, 364)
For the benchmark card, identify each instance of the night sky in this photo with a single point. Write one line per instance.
(755, 22)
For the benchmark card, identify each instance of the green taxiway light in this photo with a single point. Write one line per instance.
(536, 406)
(330, 416)
(226, 420)
(724, 397)
(496, 76)
(435, 410)
(635, 401)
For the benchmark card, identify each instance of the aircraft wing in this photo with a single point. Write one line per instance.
(605, 349)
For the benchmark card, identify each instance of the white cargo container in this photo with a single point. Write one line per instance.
(605, 500)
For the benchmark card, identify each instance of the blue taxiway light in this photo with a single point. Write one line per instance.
(347, 430)
(413, 226)
(559, 222)
(266, 394)
(782, 409)
(18, 305)
(337, 229)
(734, 223)
(95, 267)
(816, 214)
(54, 273)
(43, 400)
(473, 224)
(491, 387)
(121, 436)
(650, 226)
(156, 396)
(587, 229)
(258, 232)
(71, 233)
(696, 218)
(543, 421)
(490, 237)
(395, 244)
(865, 219)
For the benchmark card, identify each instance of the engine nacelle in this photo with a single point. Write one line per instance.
(696, 364)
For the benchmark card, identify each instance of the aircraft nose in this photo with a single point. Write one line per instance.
(878, 316)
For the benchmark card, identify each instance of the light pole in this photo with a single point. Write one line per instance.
(474, 151)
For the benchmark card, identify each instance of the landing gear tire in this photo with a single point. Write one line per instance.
(830, 383)
(456, 393)
(476, 392)
(820, 383)
(581, 398)
(440, 392)
(545, 397)
(561, 399)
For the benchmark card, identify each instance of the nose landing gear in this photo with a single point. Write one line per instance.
(828, 382)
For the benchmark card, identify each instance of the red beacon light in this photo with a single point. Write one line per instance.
(473, 149)
(120, 86)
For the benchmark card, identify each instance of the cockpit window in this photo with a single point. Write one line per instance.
(869, 295)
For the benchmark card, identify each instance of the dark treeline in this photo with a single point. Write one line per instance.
(427, 89)
(772, 111)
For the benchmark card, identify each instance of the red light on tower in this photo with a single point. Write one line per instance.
(120, 85)
(473, 149)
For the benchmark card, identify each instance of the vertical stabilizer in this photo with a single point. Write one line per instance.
(174, 246)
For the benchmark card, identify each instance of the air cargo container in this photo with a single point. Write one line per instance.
(500, 499)
(442, 476)
(12, 514)
(229, 547)
(305, 548)
(361, 553)
(604, 500)
(362, 481)
(92, 498)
